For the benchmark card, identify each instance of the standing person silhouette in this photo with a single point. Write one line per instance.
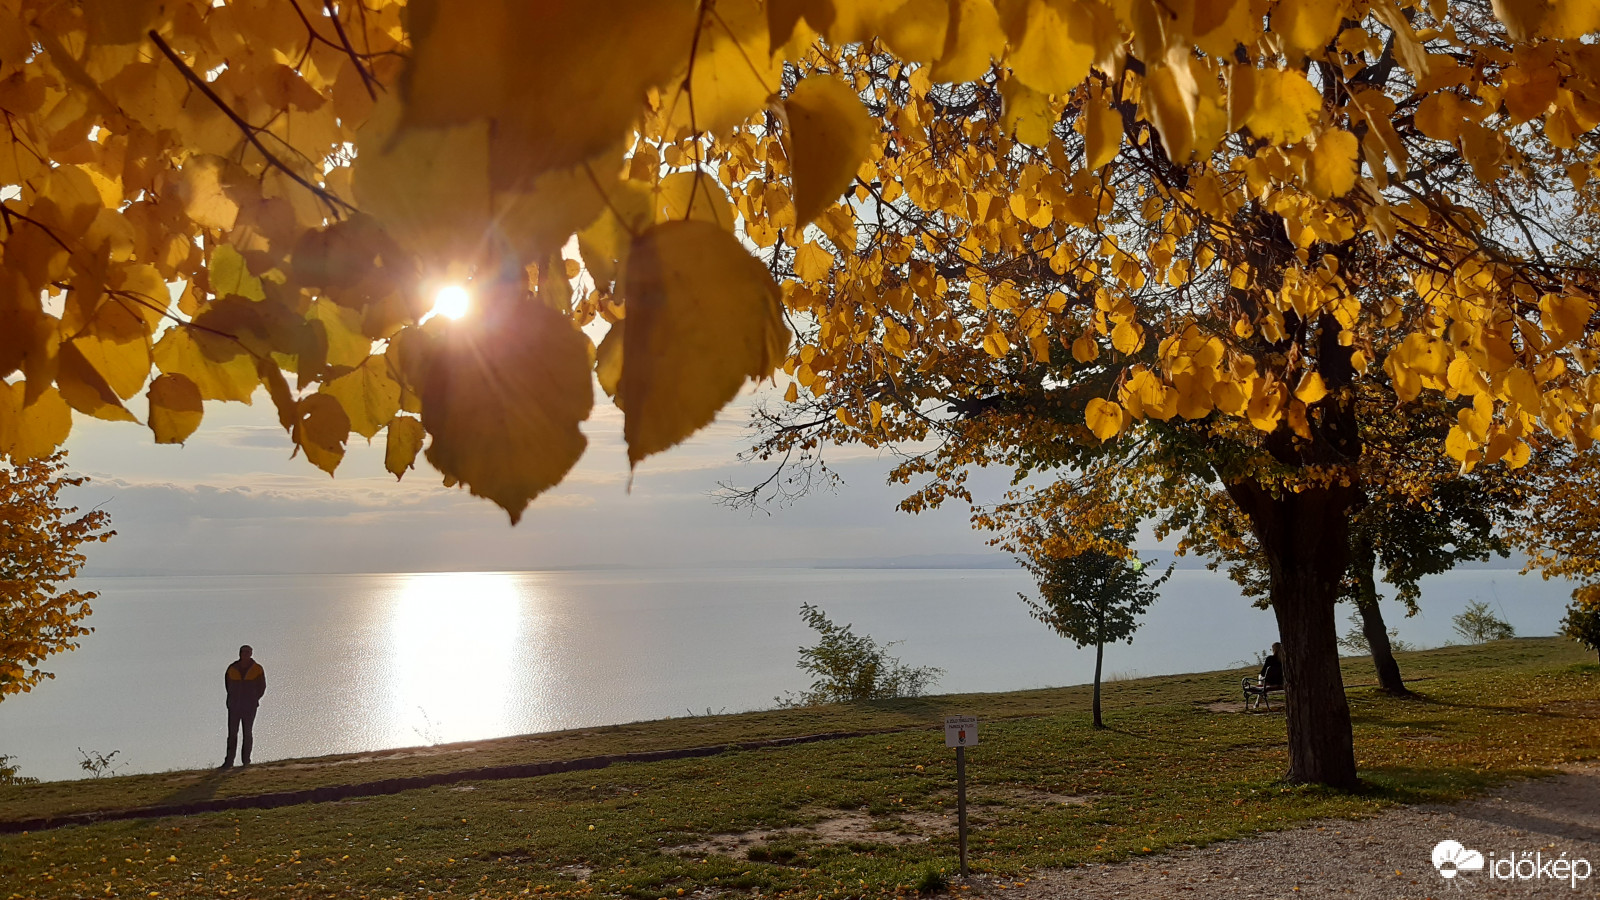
(245, 681)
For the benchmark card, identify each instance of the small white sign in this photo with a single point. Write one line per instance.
(961, 731)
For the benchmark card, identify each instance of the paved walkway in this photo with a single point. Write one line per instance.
(1388, 857)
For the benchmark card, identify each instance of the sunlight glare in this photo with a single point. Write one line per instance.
(452, 302)
(455, 640)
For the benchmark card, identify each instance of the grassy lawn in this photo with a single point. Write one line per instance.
(861, 817)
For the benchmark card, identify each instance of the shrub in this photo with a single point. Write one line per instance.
(1354, 642)
(932, 881)
(850, 666)
(1582, 623)
(1478, 624)
(9, 772)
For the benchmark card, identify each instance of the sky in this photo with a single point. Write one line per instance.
(232, 500)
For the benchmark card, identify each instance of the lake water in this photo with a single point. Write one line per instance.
(362, 662)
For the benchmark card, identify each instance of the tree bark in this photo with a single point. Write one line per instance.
(1372, 624)
(1099, 654)
(1305, 537)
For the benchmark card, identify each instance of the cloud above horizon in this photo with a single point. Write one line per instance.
(232, 500)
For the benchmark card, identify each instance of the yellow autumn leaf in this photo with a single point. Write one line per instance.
(733, 71)
(593, 60)
(537, 217)
(692, 195)
(119, 21)
(1332, 168)
(1284, 106)
(1127, 337)
(1564, 317)
(1172, 96)
(703, 316)
(369, 395)
(827, 139)
(85, 390)
(972, 41)
(1085, 349)
(1517, 455)
(338, 329)
(917, 29)
(1027, 114)
(219, 368)
(1307, 26)
(205, 198)
(1221, 25)
(228, 274)
(1458, 443)
(32, 429)
(1310, 389)
(175, 408)
(811, 262)
(783, 15)
(1265, 408)
(603, 244)
(1052, 42)
(428, 188)
(402, 444)
(1520, 387)
(502, 394)
(1102, 132)
(608, 361)
(1104, 418)
(117, 347)
(321, 429)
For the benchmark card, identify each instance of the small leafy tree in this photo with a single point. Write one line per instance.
(850, 666)
(1582, 622)
(97, 764)
(1356, 642)
(1093, 597)
(39, 541)
(10, 772)
(1478, 624)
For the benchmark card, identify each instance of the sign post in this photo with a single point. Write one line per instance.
(961, 732)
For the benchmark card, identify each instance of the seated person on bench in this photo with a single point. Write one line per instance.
(1272, 669)
(1270, 679)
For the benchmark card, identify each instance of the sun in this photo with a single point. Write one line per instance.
(453, 301)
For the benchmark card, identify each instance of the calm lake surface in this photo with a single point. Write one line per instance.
(363, 662)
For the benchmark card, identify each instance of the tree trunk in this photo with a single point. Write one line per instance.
(1305, 537)
(1372, 625)
(1099, 654)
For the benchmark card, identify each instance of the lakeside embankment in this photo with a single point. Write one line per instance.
(861, 816)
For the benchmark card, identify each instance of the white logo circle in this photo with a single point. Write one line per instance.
(1451, 859)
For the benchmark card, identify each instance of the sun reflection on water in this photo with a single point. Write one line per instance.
(454, 636)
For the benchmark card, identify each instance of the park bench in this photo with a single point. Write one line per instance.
(1261, 693)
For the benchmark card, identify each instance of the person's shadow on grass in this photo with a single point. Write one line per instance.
(203, 788)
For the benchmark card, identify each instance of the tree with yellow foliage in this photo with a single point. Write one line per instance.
(1417, 516)
(201, 200)
(39, 552)
(1160, 316)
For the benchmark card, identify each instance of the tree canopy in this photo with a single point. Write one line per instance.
(1191, 228)
(40, 541)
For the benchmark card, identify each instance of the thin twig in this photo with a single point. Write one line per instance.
(338, 26)
(334, 203)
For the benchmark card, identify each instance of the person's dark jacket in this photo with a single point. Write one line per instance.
(245, 686)
(1272, 671)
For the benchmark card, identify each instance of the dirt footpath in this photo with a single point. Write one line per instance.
(1385, 858)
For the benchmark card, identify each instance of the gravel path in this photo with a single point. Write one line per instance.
(1387, 857)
